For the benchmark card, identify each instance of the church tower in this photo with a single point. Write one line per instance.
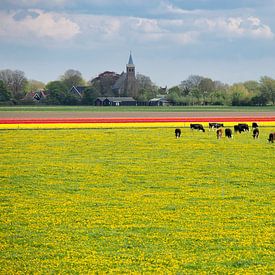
(130, 81)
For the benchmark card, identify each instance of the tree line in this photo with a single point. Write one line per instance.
(195, 90)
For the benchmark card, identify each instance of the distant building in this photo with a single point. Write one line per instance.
(126, 85)
(115, 101)
(34, 96)
(159, 102)
(78, 90)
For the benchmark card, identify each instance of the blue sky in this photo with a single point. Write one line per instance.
(230, 41)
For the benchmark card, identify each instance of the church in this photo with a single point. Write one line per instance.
(126, 84)
(111, 84)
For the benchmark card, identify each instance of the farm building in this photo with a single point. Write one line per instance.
(159, 102)
(115, 101)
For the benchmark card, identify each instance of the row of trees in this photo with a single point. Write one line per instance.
(198, 90)
(195, 90)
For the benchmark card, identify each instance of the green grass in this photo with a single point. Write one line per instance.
(136, 109)
(135, 200)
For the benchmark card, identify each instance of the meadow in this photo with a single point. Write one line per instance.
(138, 200)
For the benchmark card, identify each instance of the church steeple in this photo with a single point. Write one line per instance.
(130, 62)
(130, 81)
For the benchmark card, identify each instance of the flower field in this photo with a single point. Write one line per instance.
(135, 200)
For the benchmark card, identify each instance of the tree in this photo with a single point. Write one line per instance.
(146, 88)
(89, 96)
(4, 93)
(206, 85)
(190, 83)
(174, 95)
(15, 82)
(239, 95)
(267, 89)
(104, 83)
(34, 85)
(253, 87)
(56, 91)
(72, 78)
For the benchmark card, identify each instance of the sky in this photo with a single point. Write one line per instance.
(226, 40)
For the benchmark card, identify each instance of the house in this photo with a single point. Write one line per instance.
(78, 90)
(35, 96)
(115, 101)
(159, 102)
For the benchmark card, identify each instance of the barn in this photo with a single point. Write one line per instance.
(115, 101)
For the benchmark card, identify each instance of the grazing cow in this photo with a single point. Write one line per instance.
(197, 127)
(241, 128)
(244, 127)
(254, 125)
(214, 125)
(255, 133)
(219, 133)
(228, 133)
(177, 133)
(271, 137)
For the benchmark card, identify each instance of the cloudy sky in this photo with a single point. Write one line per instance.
(226, 40)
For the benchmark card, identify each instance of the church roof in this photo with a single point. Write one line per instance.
(120, 82)
(130, 62)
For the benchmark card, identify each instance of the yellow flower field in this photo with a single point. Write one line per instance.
(118, 125)
(136, 200)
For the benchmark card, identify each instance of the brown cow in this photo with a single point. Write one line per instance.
(219, 133)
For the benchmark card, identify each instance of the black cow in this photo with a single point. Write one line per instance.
(244, 127)
(228, 133)
(214, 125)
(219, 133)
(177, 133)
(254, 125)
(256, 133)
(271, 137)
(241, 128)
(197, 127)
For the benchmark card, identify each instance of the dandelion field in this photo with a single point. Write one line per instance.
(135, 200)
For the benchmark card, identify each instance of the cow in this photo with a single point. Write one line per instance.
(255, 133)
(197, 127)
(241, 128)
(244, 127)
(219, 133)
(228, 133)
(177, 133)
(214, 125)
(271, 137)
(254, 125)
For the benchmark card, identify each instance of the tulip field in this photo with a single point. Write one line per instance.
(135, 200)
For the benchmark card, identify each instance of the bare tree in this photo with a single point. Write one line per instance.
(15, 81)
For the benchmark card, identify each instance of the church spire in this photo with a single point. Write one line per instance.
(130, 62)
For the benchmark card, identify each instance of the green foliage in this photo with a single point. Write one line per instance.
(4, 93)
(267, 89)
(72, 78)
(89, 96)
(56, 92)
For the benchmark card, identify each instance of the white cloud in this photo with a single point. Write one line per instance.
(146, 25)
(235, 27)
(169, 8)
(43, 25)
